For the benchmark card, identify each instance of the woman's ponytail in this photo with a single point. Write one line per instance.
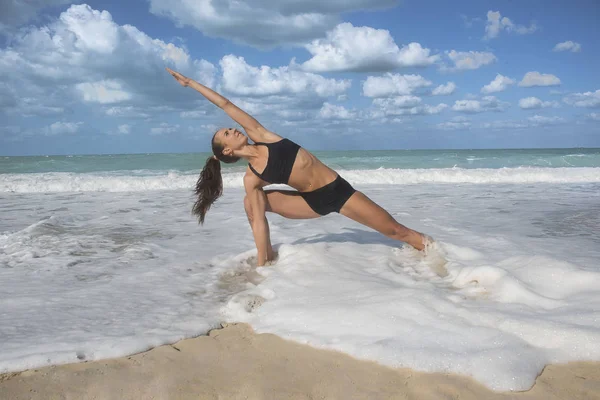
(209, 188)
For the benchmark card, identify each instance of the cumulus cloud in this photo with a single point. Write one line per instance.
(14, 12)
(406, 101)
(62, 128)
(332, 111)
(468, 60)
(243, 79)
(195, 114)
(164, 128)
(587, 99)
(104, 92)
(538, 120)
(496, 24)
(505, 125)
(487, 103)
(287, 108)
(350, 48)
(531, 122)
(534, 78)
(455, 123)
(393, 85)
(127, 112)
(405, 105)
(534, 103)
(569, 45)
(499, 84)
(85, 55)
(262, 23)
(593, 116)
(470, 21)
(444, 90)
(124, 129)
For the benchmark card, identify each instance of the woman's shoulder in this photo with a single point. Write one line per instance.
(267, 136)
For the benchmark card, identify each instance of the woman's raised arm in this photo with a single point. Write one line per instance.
(254, 129)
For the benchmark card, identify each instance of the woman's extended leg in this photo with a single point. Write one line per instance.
(363, 210)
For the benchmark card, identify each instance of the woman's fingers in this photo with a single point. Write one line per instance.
(178, 77)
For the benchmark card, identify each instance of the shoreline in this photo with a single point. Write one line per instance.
(234, 362)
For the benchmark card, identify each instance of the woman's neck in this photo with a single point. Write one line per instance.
(249, 152)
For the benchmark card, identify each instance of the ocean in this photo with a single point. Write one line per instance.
(101, 257)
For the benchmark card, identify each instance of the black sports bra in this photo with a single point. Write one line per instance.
(282, 155)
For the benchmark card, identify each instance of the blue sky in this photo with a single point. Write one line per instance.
(81, 78)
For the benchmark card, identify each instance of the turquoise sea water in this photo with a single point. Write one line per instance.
(343, 160)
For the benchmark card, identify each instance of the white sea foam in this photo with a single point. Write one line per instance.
(512, 284)
(53, 182)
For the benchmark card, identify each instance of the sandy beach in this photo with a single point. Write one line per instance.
(236, 363)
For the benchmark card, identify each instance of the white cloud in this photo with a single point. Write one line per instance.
(505, 125)
(332, 111)
(469, 21)
(31, 107)
(124, 129)
(496, 23)
(350, 48)
(531, 122)
(210, 127)
(404, 105)
(15, 12)
(443, 90)
(195, 114)
(455, 123)
(568, 46)
(487, 103)
(104, 92)
(539, 120)
(593, 116)
(587, 99)
(406, 101)
(104, 62)
(164, 128)
(425, 109)
(534, 78)
(534, 103)
(262, 23)
(243, 79)
(62, 128)
(393, 84)
(468, 60)
(281, 107)
(499, 84)
(126, 112)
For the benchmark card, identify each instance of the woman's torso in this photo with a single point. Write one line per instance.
(307, 171)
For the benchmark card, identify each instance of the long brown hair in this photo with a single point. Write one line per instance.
(209, 186)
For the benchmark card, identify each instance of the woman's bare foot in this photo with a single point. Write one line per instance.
(427, 242)
(271, 258)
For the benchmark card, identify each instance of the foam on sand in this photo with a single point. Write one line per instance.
(511, 286)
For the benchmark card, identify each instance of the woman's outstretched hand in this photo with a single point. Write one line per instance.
(183, 80)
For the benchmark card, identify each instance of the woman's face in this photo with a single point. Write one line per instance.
(231, 139)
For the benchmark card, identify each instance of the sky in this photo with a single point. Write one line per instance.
(89, 78)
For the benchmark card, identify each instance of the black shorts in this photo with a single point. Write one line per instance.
(329, 198)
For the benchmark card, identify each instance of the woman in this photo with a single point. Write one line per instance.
(319, 189)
